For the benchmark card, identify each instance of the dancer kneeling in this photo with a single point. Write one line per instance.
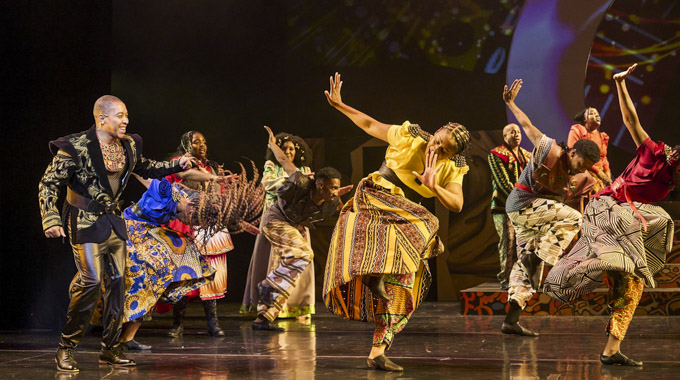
(377, 262)
(301, 203)
(544, 225)
(624, 238)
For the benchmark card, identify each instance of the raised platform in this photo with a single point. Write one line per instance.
(664, 300)
(489, 299)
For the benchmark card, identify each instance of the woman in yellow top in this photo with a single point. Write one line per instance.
(377, 269)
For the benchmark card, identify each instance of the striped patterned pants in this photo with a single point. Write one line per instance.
(544, 228)
(294, 253)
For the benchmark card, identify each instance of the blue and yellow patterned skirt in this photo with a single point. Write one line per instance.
(160, 261)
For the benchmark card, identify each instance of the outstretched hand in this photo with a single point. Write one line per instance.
(272, 139)
(187, 161)
(622, 75)
(509, 94)
(344, 190)
(429, 176)
(333, 95)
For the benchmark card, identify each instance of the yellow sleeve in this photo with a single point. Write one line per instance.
(452, 173)
(399, 135)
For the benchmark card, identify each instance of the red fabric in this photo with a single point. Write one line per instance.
(504, 157)
(579, 131)
(648, 178)
(523, 187)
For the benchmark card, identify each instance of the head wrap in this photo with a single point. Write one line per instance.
(158, 204)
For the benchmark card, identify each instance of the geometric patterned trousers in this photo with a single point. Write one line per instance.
(545, 228)
(507, 251)
(295, 253)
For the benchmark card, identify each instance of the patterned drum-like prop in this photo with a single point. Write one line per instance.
(219, 243)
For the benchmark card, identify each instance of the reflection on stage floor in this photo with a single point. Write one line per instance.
(437, 342)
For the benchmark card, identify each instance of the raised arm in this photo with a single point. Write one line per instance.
(628, 113)
(287, 165)
(363, 121)
(509, 95)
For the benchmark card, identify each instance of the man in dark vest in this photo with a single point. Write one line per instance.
(544, 224)
(95, 165)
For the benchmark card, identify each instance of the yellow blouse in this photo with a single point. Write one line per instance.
(405, 154)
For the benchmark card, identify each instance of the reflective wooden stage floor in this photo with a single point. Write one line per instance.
(437, 343)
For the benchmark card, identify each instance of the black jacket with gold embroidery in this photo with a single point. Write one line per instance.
(79, 164)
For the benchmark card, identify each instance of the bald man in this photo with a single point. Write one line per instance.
(95, 165)
(506, 162)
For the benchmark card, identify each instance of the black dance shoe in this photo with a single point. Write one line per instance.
(516, 329)
(382, 362)
(115, 358)
(133, 345)
(266, 326)
(66, 360)
(619, 359)
(376, 285)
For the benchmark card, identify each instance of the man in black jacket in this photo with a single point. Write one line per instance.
(95, 165)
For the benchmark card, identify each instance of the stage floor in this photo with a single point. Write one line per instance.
(437, 342)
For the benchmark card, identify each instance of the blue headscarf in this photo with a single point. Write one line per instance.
(158, 204)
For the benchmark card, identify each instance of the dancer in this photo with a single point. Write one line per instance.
(301, 302)
(544, 225)
(301, 203)
(96, 166)
(377, 269)
(194, 144)
(588, 127)
(624, 239)
(164, 262)
(506, 162)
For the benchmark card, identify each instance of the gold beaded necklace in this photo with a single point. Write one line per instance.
(114, 155)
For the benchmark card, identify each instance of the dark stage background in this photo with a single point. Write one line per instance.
(228, 67)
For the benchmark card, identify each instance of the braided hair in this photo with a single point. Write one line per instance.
(462, 138)
(236, 207)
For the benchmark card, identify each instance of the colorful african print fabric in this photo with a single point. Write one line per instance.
(612, 240)
(379, 232)
(159, 261)
(545, 228)
(217, 288)
(292, 253)
(302, 299)
(626, 291)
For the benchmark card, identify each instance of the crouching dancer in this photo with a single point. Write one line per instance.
(624, 238)
(301, 203)
(165, 262)
(544, 225)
